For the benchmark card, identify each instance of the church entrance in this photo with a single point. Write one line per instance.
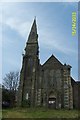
(52, 100)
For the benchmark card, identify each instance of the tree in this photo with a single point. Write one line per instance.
(11, 81)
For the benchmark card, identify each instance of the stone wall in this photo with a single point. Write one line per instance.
(76, 93)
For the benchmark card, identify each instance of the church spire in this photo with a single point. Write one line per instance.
(33, 36)
(32, 47)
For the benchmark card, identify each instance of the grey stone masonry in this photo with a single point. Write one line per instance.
(29, 72)
(70, 94)
(47, 85)
(68, 101)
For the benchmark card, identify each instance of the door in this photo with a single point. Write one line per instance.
(52, 103)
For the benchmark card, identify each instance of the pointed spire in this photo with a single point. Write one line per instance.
(34, 26)
(33, 33)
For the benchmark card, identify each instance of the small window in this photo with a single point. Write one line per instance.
(27, 96)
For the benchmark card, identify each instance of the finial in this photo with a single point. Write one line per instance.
(22, 53)
(34, 17)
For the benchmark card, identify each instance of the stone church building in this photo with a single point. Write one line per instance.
(48, 85)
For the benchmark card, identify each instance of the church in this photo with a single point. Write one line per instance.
(48, 85)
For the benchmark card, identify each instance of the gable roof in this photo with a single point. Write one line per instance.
(74, 82)
(52, 61)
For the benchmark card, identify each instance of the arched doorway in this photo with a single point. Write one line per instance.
(52, 100)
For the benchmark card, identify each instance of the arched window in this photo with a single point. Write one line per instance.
(30, 66)
(27, 96)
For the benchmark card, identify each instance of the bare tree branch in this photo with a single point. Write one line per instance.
(11, 80)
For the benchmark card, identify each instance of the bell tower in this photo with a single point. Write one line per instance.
(29, 72)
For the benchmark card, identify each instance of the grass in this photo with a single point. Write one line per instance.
(0, 113)
(38, 113)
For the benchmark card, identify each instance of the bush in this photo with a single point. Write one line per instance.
(25, 103)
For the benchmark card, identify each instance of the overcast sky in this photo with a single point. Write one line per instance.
(54, 23)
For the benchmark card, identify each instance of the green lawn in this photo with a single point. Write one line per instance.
(38, 113)
(0, 114)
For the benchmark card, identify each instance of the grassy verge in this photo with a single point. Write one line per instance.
(0, 114)
(38, 113)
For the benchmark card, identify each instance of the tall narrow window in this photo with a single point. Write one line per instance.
(30, 66)
(27, 96)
